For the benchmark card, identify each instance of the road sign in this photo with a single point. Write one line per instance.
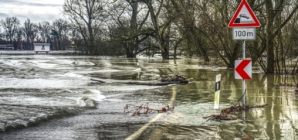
(244, 33)
(244, 17)
(243, 69)
(217, 91)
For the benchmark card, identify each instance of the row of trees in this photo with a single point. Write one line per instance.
(194, 27)
(23, 36)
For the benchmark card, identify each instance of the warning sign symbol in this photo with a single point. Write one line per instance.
(244, 17)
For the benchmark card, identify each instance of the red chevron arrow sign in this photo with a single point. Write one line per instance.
(243, 69)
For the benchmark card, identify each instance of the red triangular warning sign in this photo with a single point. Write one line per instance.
(244, 17)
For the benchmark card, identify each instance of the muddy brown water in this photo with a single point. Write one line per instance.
(52, 97)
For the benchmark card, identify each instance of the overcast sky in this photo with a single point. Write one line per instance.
(35, 10)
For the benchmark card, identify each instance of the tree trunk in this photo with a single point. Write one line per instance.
(269, 37)
(234, 55)
(132, 47)
(158, 33)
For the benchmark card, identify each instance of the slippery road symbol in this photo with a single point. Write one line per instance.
(244, 16)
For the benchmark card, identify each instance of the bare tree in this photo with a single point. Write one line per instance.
(190, 26)
(60, 29)
(19, 35)
(10, 25)
(274, 26)
(87, 17)
(160, 24)
(130, 30)
(30, 32)
(274, 16)
(44, 30)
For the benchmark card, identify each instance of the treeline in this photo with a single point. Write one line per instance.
(171, 27)
(22, 36)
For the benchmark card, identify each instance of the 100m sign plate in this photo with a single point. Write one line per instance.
(244, 33)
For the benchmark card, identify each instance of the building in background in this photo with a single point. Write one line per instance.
(41, 47)
(6, 47)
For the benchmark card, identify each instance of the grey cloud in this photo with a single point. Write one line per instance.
(4, 15)
(18, 2)
(29, 13)
(35, 18)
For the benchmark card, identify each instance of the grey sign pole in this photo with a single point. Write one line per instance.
(243, 81)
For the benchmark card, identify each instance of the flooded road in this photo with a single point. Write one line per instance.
(54, 97)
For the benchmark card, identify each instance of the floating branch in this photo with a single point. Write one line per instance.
(233, 109)
(144, 109)
(219, 117)
(225, 113)
(176, 78)
(287, 84)
(164, 81)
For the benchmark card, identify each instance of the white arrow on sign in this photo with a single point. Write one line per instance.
(243, 69)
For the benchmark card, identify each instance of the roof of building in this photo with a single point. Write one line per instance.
(39, 44)
(6, 45)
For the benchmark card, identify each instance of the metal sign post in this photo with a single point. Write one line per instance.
(243, 81)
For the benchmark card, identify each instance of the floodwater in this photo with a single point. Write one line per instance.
(54, 97)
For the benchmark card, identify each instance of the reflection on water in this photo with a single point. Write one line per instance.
(38, 88)
(276, 121)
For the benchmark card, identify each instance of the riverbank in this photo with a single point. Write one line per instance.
(32, 52)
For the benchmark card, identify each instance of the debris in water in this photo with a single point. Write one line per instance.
(225, 113)
(287, 84)
(164, 81)
(175, 79)
(144, 109)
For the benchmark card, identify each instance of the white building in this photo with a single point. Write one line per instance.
(41, 47)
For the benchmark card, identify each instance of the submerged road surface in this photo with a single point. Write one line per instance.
(53, 97)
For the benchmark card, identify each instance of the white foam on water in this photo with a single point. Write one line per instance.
(45, 64)
(131, 88)
(85, 63)
(89, 97)
(39, 83)
(42, 101)
(70, 74)
(97, 96)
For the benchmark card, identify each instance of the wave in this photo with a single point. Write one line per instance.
(18, 113)
(33, 118)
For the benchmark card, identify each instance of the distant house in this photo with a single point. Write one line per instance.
(3, 47)
(41, 47)
(10, 46)
(6, 47)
